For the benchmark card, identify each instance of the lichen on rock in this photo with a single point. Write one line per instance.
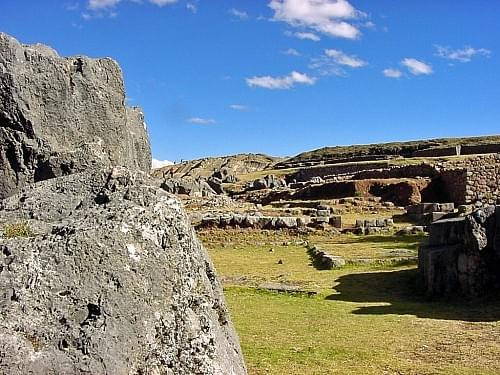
(113, 286)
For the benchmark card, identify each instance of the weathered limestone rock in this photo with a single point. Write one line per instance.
(188, 186)
(268, 182)
(63, 115)
(117, 283)
(462, 256)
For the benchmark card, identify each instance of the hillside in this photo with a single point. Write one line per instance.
(406, 149)
(234, 164)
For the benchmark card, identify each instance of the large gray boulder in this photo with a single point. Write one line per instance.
(61, 115)
(113, 281)
(463, 255)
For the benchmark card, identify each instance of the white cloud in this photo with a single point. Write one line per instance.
(343, 59)
(324, 16)
(392, 73)
(201, 121)
(192, 7)
(238, 13)
(160, 163)
(333, 61)
(239, 107)
(291, 52)
(369, 25)
(417, 67)
(280, 83)
(307, 36)
(102, 4)
(162, 3)
(463, 55)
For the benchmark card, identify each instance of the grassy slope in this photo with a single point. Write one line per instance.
(365, 319)
(393, 148)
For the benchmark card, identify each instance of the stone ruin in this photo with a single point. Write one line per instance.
(463, 255)
(227, 220)
(111, 278)
(427, 213)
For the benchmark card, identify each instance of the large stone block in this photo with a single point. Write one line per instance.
(438, 269)
(462, 255)
(447, 232)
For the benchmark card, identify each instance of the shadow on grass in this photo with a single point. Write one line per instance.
(399, 289)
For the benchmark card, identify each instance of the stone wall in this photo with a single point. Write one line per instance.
(483, 179)
(480, 149)
(404, 171)
(437, 152)
(332, 170)
(473, 179)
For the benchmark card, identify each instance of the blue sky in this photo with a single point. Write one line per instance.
(284, 76)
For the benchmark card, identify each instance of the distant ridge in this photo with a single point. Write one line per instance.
(468, 145)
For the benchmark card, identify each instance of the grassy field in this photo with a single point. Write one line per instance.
(364, 319)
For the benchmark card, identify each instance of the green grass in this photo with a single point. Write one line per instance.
(364, 320)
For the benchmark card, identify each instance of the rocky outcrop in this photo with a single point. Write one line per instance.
(188, 186)
(267, 182)
(218, 167)
(113, 281)
(463, 255)
(63, 115)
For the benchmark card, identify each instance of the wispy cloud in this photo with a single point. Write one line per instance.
(392, 73)
(239, 107)
(291, 52)
(343, 59)
(369, 25)
(329, 17)
(333, 61)
(192, 7)
(280, 83)
(102, 4)
(305, 36)
(241, 14)
(162, 3)
(160, 163)
(201, 121)
(463, 55)
(417, 67)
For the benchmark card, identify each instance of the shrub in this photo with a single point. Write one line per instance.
(17, 230)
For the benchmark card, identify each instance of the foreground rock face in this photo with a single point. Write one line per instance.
(113, 282)
(62, 115)
(463, 255)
